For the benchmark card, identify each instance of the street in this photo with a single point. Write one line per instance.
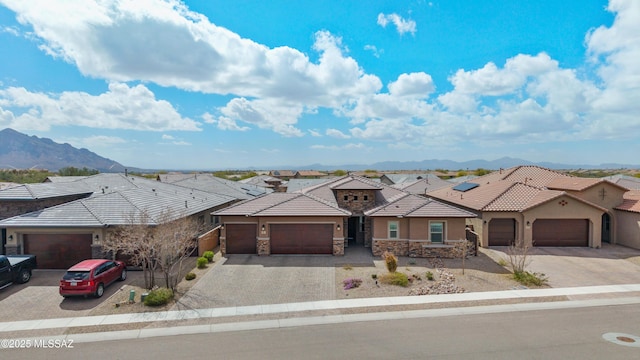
(550, 334)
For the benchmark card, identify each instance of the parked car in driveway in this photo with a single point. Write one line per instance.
(16, 269)
(91, 277)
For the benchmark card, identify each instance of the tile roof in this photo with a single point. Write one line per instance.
(407, 177)
(284, 204)
(578, 184)
(44, 191)
(631, 202)
(324, 191)
(213, 184)
(355, 183)
(629, 182)
(295, 185)
(418, 206)
(515, 189)
(423, 186)
(117, 207)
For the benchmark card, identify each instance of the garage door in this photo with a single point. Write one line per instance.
(301, 238)
(241, 238)
(502, 232)
(58, 251)
(561, 232)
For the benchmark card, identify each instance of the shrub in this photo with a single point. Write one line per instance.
(429, 276)
(502, 262)
(395, 278)
(347, 267)
(190, 276)
(208, 255)
(528, 279)
(351, 283)
(202, 262)
(391, 261)
(374, 276)
(158, 297)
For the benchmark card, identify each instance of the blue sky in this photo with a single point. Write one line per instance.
(230, 84)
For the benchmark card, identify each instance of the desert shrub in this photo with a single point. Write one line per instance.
(528, 279)
(391, 261)
(202, 262)
(429, 276)
(158, 297)
(502, 262)
(347, 267)
(374, 276)
(190, 276)
(208, 255)
(351, 283)
(395, 278)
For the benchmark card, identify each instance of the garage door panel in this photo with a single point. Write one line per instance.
(58, 251)
(502, 232)
(301, 238)
(561, 232)
(241, 238)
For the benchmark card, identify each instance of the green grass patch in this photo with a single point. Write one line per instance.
(530, 279)
(395, 278)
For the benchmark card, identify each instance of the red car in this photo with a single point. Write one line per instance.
(90, 277)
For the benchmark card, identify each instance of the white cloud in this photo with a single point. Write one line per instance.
(101, 141)
(335, 133)
(415, 84)
(121, 107)
(314, 133)
(402, 25)
(374, 50)
(167, 137)
(350, 146)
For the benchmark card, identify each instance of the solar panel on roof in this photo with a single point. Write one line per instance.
(465, 186)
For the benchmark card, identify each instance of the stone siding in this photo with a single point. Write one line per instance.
(338, 247)
(417, 248)
(264, 246)
(223, 246)
(10, 208)
(359, 206)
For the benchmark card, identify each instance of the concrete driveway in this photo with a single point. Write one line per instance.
(244, 280)
(39, 298)
(568, 267)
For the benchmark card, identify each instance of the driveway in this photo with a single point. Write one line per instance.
(39, 298)
(568, 267)
(243, 280)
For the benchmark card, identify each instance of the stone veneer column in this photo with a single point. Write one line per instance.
(96, 252)
(223, 246)
(11, 249)
(264, 246)
(338, 247)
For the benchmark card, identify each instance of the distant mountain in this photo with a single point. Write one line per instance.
(505, 162)
(20, 151)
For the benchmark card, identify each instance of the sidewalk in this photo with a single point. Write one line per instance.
(293, 314)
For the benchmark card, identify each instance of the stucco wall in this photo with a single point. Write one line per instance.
(612, 195)
(628, 229)
(418, 228)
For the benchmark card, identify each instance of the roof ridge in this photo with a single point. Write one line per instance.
(33, 195)
(290, 197)
(100, 220)
(398, 197)
(316, 186)
(495, 199)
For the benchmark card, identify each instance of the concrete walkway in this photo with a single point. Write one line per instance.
(8, 329)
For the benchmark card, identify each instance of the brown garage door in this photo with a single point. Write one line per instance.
(561, 232)
(502, 232)
(301, 238)
(241, 238)
(58, 251)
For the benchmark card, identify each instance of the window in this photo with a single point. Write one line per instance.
(365, 197)
(361, 223)
(355, 197)
(436, 231)
(393, 229)
(346, 197)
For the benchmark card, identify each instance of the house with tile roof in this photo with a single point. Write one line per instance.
(535, 206)
(343, 212)
(65, 222)
(628, 220)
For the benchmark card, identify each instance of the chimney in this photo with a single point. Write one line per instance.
(126, 172)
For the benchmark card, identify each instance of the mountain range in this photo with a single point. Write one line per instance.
(20, 151)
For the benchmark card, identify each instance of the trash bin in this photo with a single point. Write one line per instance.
(143, 296)
(132, 296)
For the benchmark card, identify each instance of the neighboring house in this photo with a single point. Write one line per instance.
(264, 181)
(342, 212)
(629, 182)
(295, 185)
(539, 207)
(308, 174)
(65, 233)
(461, 179)
(423, 186)
(282, 174)
(391, 179)
(59, 179)
(628, 220)
(216, 185)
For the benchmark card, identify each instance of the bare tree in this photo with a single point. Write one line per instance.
(461, 249)
(134, 240)
(162, 247)
(175, 240)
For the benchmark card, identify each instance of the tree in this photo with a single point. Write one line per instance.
(72, 171)
(161, 246)
(461, 249)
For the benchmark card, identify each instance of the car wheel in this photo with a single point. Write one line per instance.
(123, 275)
(100, 290)
(25, 275)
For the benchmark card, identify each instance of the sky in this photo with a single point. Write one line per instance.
(167, 84)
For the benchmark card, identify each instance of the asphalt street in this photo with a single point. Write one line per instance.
(569, 333)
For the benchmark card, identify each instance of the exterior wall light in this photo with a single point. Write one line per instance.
(338, 227)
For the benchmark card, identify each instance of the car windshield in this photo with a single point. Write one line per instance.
(76, 275)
